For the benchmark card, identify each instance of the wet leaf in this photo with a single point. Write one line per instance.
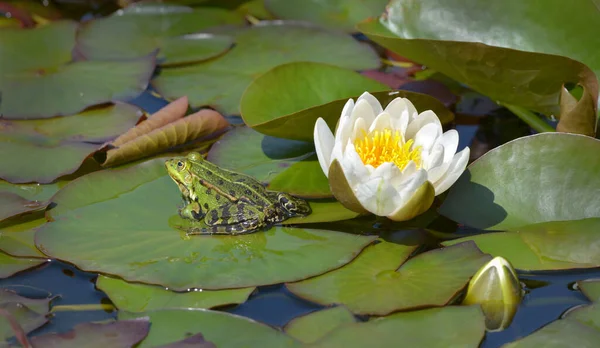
(286, 165)
(324, 210)
(100, 225)
(58, 146)
(122, 333)
(222, 329)
(12, 204)
(381, 280)
(287, 100)
(181, 131)
(453, 326)
(134, 297)
(543, 177)
(28, 313)
(257, 50)
(338, 14)
(10, 265)
(560, 333)
(544, 246)
(174, 30)
(196, 341)
(590, 288)
(512, 65)
(312, 327)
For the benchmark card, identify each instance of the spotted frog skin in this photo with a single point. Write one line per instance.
(228, 202)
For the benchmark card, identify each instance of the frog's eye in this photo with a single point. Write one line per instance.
(180, 165)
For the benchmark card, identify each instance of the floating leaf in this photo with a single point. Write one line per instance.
(181, 131)
(257, 50)
(324, 210)
(381, 280)
(543, 177)
(288, 165)
(133, 297)
(545, 246)
(28, 313)
(560, 333)
(100, 225)
(287, 100)
(591, 289)
(173, 30)
(312, 327)
(10, 265)
(339, 14)
(513, 65)
(196, 341)
(12, 204)
(58, 146)
(122, 333)
(437, 327)
(216, 327)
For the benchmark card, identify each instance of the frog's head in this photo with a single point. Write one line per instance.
(180, 170)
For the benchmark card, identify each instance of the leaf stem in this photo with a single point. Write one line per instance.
(83, 307)
(530, 118)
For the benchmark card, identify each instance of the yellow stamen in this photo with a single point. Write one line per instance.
(379, 147)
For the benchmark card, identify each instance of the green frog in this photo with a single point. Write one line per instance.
(228, 202)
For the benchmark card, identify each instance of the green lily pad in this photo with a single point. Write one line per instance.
(312, 327)
(122, 333)
(58, 146)
(71, 88)
(10, 265)
(590, 288)
(100, 224)
(560, 333)
(338, 14)
(539, 178)
(133, 297)
(257, 50)
(287, 100)
(12, 204)
(544, 246)
(25, 312)
(454, 326)
(286, 165)
(381, 280)
(196, 341)
(223, 329)
(174, 30)
(513, 65)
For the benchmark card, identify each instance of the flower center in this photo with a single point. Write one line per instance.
(378, 147)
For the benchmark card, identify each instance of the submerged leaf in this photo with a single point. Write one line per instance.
(10, 265)
(27, 313)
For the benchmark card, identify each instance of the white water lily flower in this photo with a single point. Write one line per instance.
(388, 162)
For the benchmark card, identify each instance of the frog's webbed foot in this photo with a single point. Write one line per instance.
(192, 211)
(233, 218)
(290, 205)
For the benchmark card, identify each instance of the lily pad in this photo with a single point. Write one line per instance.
(12, 204)
(591, 289)
(223, 329)
(560, 333)
(58, 146)
(544, 246)
(196, 341)
(10, 265)
(286, 165)
(381, 280)
(512, 65)
(306, 91)
(122, 333)
(28, 314)
(257, 50)
(539, 178)
(312, 327)
(452, 326)
(134, 297)
(100, 224)
(174, 30)
(338, 14)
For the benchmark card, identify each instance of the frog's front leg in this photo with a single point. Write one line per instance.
(192, 211)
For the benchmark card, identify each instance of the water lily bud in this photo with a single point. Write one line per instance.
(390, 162)
(497, 289)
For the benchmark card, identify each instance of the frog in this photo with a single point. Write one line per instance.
(227, 202)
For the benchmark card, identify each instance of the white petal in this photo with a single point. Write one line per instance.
(387, 171)
(377, 196)
(381, 122)
(427, 136)
(359, 129)
(396, 107)
(425, 118)
(450, 142)
(434, 158)
(412, 111)
(457, 167)
(342, 133)
(324, 142)
(336, 153)
(375, 104)
(353, 166)
(408, 187)
(347, 110)
(409, 170)
(363, 110)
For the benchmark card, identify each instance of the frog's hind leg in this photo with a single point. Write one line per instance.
(232, 218)
(290, 205)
